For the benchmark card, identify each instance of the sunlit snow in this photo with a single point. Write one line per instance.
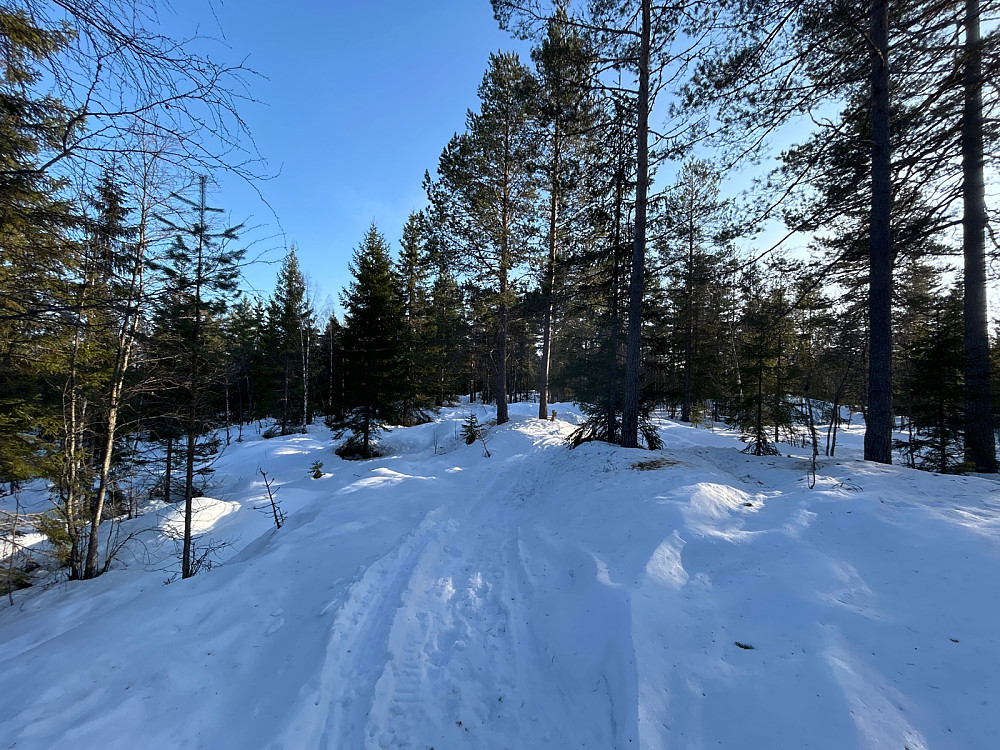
(694, 597)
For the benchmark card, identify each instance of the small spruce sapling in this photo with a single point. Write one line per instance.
(472, 431)
(316, 469)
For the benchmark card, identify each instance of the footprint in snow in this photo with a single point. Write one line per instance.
(278, 624)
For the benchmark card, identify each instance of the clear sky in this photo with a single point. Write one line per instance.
(358, 101)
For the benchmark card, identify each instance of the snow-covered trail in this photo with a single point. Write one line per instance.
(594, 598)
(446, 641)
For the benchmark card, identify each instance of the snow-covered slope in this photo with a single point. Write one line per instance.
(599, 598)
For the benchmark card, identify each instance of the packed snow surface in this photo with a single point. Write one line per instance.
(542, 597)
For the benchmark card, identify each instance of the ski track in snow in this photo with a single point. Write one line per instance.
(427, 640)
(595, 598)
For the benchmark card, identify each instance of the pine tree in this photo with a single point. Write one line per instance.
(980, 439)
(598, 284)
(565, 112)
(694, 259)
(373, 340)
(485, 197)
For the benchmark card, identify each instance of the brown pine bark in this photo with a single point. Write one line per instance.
(980, 441)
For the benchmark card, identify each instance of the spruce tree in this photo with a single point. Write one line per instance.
(694, 255)
(36, 251)
(414, 269)
(765, 349)
(373, 340)
(330, 355)
(200, 271)
(936, 387)
(289, 337)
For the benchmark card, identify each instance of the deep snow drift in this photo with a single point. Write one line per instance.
(692, 597)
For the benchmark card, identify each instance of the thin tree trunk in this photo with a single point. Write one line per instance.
(284, 394)
(501, 363)
(114, 405)
(878, 431)
(614, 343)
(630, 408)
(688, 325)
(166, 475)
(187, 564)
(829, 430)
(126, 337)
(980, 442)
(550, 281)
(367, 430)
(503, 414)
(73, 420)
(73, 449)
(777, 393)
(304, 344)
(187, 568)
(761, 436)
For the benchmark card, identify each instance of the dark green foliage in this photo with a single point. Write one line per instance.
(761, 409)
(373, 341)
(316, 470)
(53, 526)
(36, 252)
(421, 349)
(597, 427)
(449, 339)
(200, 272)
(330, 366)
(287, 339)
(698, 265)
(933, 386)
(355, 449)
(484, 203)
(472, 430)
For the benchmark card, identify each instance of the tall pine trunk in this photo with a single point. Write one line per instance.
(550, 281)
(980, 443)
(878, 431)
(503, 414)
(630, 409)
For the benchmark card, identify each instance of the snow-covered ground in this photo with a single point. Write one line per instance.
(693, 597)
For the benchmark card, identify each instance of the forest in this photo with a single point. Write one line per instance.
(580, 242)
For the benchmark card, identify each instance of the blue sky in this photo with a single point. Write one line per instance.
(359, 99)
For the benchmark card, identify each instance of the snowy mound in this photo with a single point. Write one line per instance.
(539, 598)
